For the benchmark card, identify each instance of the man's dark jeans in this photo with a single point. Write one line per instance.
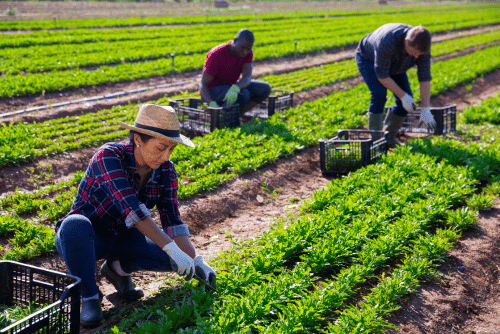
(378, 91)
(256, 92)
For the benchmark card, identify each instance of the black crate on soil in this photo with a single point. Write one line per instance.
(195, 116)
(446, 120)
(22, 284)
(278, 101)
(350, 150)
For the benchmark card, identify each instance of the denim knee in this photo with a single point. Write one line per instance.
(266, 91)
(75, 229)
(259, 91)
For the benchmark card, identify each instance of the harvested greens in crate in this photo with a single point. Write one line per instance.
(54, 296)
(350, 150)
(194, 115)
(278, 101)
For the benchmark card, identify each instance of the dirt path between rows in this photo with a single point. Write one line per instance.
(274, 66)
(467, 299)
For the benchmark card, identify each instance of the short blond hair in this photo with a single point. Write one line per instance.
(419, 37)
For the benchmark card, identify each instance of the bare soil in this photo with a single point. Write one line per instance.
(467, 299)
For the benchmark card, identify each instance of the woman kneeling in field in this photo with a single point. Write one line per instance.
(110, 218)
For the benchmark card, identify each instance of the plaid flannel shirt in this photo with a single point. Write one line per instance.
(109, 197)
(385, 48)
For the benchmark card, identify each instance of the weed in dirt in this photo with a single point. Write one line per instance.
(11, 11)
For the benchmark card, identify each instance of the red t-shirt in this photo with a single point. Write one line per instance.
(224, 66)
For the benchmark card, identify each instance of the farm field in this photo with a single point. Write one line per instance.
(295, 251)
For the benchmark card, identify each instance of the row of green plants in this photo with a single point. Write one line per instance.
(191, 19)
(374, 219)
(32, 141)
(219, 156)
(488, 111)
(81, 42)
(147, 45)
(84, 36)
(324, 37)
(303, 275)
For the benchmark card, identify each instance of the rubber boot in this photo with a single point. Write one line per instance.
(375, 124)
(392, 125)
(91, 315)
(123, 284)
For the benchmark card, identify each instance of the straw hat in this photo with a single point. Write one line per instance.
(159, 122)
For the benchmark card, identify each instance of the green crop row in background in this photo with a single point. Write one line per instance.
(194, 19)
(312, 38)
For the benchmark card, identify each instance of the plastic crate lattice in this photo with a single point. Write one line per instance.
(350, 150)
(278, 101)
(194, 116)
(24, 284)
(446, 120)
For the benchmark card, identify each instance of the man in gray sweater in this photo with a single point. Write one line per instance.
(383, 57)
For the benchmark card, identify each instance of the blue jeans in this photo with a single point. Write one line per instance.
(378, 91)
(81, 247)
(256, 91)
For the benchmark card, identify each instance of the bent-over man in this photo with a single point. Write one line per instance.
(383, 57)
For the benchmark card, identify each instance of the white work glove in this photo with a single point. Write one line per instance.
(232, 95)
(427, 119)
(213, 104)
(204, 271)
(409, 103)
(182, 263)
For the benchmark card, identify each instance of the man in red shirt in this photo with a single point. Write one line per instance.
(225, 64)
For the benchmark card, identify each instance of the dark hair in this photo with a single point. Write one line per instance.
(245, 34)
(144, 137)
(420, 38)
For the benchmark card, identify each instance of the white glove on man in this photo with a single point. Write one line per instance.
(232, 95)
(204, 271)
(426, 119)
(182, 263)
(409, 103)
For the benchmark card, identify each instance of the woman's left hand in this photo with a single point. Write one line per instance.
(203, 270)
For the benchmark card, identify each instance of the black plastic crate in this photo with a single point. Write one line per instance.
(446, 120)
(350, 150)
(194, 115)
(23, 284)
(278, 101)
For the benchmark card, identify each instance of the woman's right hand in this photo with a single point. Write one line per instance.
(182, 263)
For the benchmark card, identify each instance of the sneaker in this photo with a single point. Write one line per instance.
(123, 284)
